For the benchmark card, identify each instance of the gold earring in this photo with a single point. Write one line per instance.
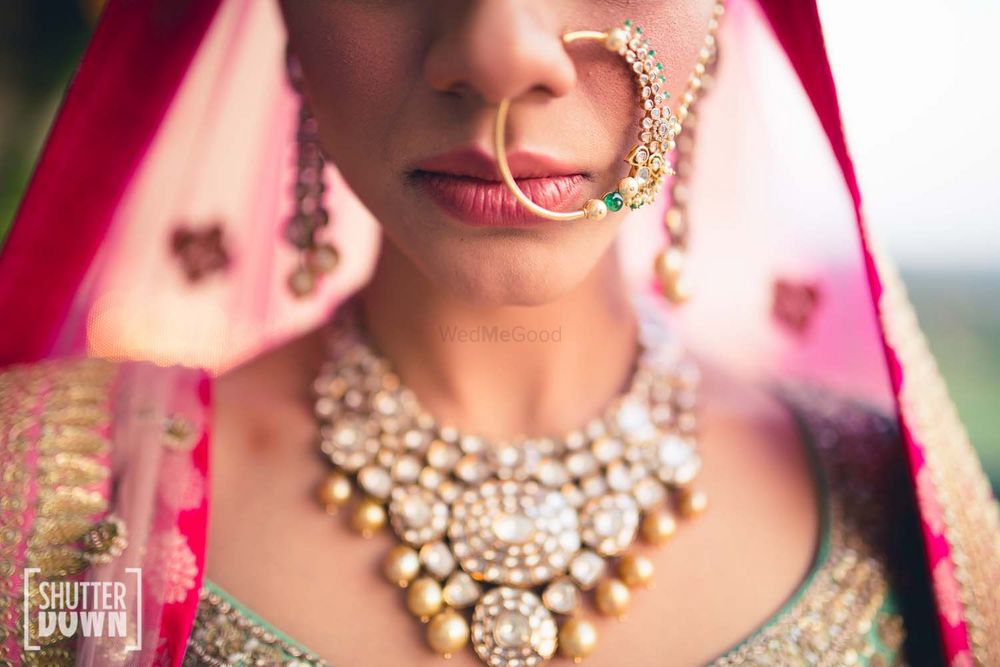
(648, 161)
(669, 265)
(315, 257)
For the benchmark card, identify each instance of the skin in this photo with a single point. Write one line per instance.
(430, 85)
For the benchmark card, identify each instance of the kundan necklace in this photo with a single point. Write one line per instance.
(516, 531)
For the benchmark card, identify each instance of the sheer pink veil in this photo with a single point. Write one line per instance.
(180, 116)
(207, 140)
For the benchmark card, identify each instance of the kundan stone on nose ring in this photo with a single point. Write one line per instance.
(648, 163)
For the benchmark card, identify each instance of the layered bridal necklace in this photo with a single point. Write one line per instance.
(502, 543)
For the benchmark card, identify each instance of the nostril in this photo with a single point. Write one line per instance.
(497, 51)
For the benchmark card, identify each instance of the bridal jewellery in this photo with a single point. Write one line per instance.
(498, 540)
(315, 257)
(659, 127)
(669, 264)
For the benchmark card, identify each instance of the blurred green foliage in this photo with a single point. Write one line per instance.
(40, 43)
(959, 312)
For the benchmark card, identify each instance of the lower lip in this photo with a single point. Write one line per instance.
(481, 203)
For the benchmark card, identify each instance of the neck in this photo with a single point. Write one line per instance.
(507, 371)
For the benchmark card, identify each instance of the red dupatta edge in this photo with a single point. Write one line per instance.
(113, 108)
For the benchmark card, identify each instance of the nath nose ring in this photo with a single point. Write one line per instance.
(648, 163)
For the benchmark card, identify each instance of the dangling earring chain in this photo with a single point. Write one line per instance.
(670, 262)
(316, 258)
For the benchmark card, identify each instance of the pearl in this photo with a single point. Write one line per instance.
(669, 263)
(460, 590)
(693, 502)
(437, 558)
(585, 568)
(323, 258)
(658, 527)
(595, 209)
(673, 219)
(424, 598)
(514, 528)
(668, 267)
(561, 596)
(628, 187)
(636, 570)
(678, 290)
(401, 565)
(617, 38)
(302, 282)
(577, 639)
(334, 491)
(612, 597)
(415, 512)
(512, 630)
(447, 632)
(368, 517)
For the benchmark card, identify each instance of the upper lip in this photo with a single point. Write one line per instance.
(475, 162)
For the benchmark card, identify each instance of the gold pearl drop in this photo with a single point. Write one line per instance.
(636, 570)
(302, 282)
(668, 266)
(447, 632)
(693, 502)
(678, 289)
(323, 258)
(595, 209)
(334, 491)
(669, 271)
(612, 597)
(658, 527)
(616, 39)
(368, 517)
(401, 565)
(424, 598)
(669, 263)
(628, 188)
(577, 638)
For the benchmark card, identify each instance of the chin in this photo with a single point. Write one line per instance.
(493, 273)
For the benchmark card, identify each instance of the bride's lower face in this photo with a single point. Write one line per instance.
(405, 93)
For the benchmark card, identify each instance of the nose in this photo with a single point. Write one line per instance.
(495, 49)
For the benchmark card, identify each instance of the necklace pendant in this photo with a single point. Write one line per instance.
(512, 626)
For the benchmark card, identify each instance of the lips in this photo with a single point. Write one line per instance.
(466, 184)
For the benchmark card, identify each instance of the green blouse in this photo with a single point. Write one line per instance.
(845, 611)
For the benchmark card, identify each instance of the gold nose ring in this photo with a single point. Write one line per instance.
(648, 163)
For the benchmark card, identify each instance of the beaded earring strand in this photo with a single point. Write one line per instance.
(669, 264)
(315, 258)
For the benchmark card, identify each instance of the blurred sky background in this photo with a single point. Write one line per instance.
(918, 92)
(919, 96)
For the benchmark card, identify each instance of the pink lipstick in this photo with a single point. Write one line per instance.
(466, 184)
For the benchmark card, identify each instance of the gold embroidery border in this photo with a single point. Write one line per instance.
(971, 516)
(854, 565)
(68, 401)
(216, 615)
